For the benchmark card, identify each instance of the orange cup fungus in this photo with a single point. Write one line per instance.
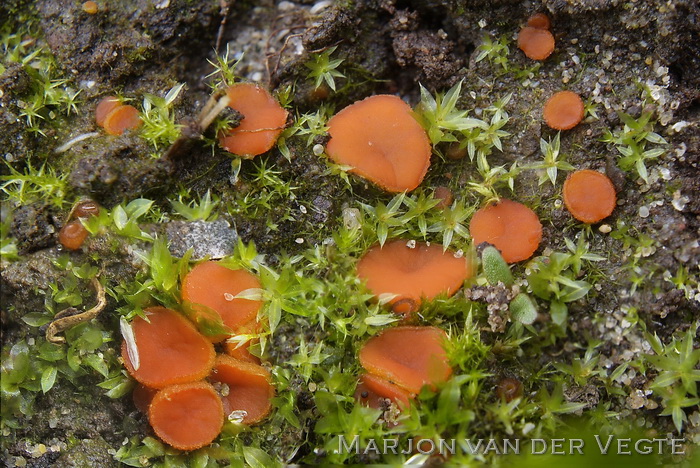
(589, 196)
(372, 391)
(104, 107)
(73, 233)
(409, 357)
(412, 273)
(249, 388)
(564, 110)
(170, 350)
(85, 209)
(187, 416)
(263, 121)
(143, 396)
(509, 389)
(539, 21)
(381, 140)
(444, 194)
(536, 43)
(116, 117)
(511, 227)
(90, 7)
(212, 288)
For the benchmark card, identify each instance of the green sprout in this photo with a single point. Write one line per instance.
(8, 245)
(441, 118)
(123, 219)
(159, 126)
(552, 162)
(555, 278)
(48, 94)
(324, 69)
(32, 185)
(495, 51)
(224, 70)
(631, 143)
(677, 382)
(196, 210)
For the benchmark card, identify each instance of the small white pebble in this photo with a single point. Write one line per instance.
(459, 253)
(302, 208)
(678, 126)
(312, 387)
(299, 240)
(228, 296)
(320, 6)
(411, 244)
(605, 228)
(318, 150)
(351, 218)
(482, 23)
(643, 212)
(679, 201)
(237, 416)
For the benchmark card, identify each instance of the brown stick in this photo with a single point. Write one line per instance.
(225, 7)
(68, 318)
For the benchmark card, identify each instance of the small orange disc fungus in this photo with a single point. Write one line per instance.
(122, 118)
(170, 350)
(409, 357)
(564, 110)
(187, 416)
(412, 273)
(382, 142)
(72, 235)
(211, 287)
(589, 196)
(263, 121)
(249, 388)
(536, 44)
(104, 107)
(511, 227)
(444, 194)
(90, 7)
(142, 397)
(85, 209)
(539, 21)
(373, 391)
(509, 389)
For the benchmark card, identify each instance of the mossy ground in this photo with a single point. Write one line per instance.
(634, 57)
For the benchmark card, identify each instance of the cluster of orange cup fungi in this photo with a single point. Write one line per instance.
(73, 233)
(185, 387)
(535, 39)
(116, 117)
(380, 140)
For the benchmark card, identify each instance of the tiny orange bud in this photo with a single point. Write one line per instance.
(90, 7)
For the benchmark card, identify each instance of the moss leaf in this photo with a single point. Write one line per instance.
(522, 309)
(495, 268)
